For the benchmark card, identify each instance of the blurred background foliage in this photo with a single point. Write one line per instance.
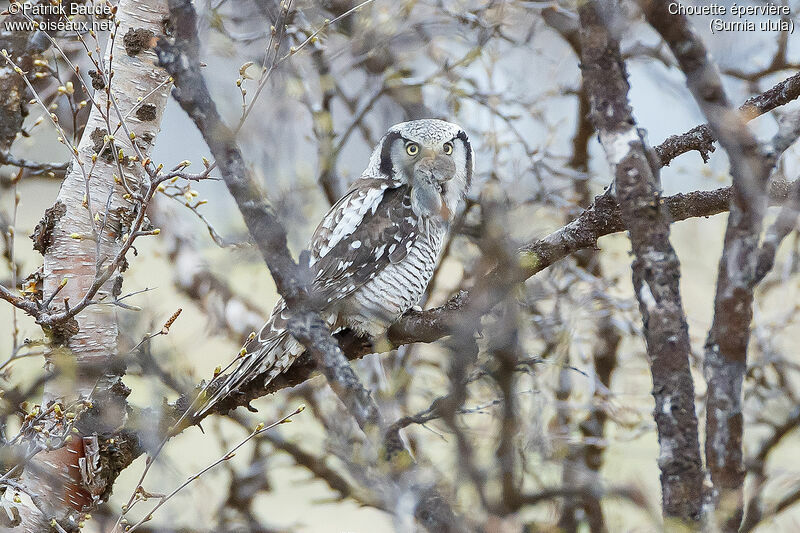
(512, 80)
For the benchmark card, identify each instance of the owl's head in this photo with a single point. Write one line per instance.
(434, 158)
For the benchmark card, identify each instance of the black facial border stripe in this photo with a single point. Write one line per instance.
(386, 153)
(463, 136)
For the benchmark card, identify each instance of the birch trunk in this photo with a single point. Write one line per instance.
(83, 243)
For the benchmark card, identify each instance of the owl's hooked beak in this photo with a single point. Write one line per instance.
(431, 173)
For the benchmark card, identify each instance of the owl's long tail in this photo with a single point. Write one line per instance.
(273, 350)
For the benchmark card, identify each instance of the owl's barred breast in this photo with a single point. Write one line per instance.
(396, 288)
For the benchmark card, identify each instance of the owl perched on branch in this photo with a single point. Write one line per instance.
(375, 250)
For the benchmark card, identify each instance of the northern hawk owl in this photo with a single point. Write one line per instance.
(375, 250)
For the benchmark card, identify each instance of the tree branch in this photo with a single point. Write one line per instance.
(656, 269)
(726, 346)
(702, 138)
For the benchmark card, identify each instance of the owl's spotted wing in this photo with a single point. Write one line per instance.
(369, 228)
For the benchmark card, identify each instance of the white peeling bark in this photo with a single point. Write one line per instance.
(76, 259)
(60, 490)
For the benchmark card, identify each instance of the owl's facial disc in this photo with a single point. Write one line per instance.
(433, 158)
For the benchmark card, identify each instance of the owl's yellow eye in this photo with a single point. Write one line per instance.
(448, 148)
(412, 148)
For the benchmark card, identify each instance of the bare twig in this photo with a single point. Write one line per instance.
(260, 429)
(701, 138)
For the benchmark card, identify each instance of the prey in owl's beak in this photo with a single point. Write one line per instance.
(430, 177)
